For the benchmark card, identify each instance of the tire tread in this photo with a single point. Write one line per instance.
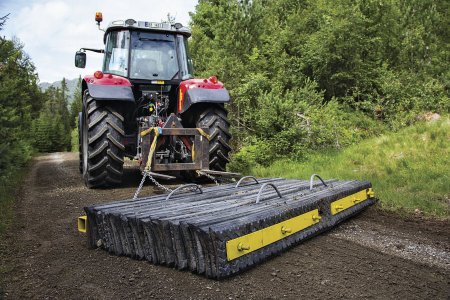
(215, 119)
(105, 147)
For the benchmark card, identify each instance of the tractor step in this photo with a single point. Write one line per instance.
(221, 173)
(161, 176)
(220, 231)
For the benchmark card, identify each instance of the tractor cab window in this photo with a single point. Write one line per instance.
(153, 56)
(116, 53)
(187, 69)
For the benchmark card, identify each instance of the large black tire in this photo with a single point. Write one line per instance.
(102, 140)
(215, 119)
(80, 141)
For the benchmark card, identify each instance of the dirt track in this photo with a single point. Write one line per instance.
(371, 256)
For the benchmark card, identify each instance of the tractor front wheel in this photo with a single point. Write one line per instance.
(102, 150)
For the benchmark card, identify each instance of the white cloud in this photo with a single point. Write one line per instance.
(52, 30)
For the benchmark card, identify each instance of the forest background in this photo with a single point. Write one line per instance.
(307, 78)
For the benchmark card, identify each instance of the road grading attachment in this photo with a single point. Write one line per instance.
(218, 231)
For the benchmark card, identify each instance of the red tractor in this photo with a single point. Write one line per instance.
(146, 105)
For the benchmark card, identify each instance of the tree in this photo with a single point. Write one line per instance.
(76, 105)
(20, 102)
(307, 74)
(3, 21)
(52, 126)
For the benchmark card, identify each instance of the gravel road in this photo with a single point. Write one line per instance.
(375, 255)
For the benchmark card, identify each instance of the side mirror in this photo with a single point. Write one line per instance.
(80, 59)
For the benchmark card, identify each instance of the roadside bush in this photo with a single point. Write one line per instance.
(316, 75)
(74, 137)
(403, 96)
(290, 126)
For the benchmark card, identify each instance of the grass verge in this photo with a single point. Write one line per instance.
(74, 140)
(8, 193)
(8, 190)
(409, 169)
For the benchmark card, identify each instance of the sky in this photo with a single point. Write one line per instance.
(53, 30)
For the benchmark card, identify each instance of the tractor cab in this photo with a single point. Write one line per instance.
(152, 56)
(143, 50)
(147, 51)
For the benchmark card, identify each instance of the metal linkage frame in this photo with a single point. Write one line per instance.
(200, 149)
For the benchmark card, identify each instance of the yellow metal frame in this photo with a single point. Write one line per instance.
(82, 224)
(349, 201)
(256, 240)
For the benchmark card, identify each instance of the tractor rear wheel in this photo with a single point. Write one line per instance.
(80, 141)
(102, 144)
(215, 119)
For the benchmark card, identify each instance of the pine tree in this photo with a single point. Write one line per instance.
(20, 102)
(76, 105)
(53, 125)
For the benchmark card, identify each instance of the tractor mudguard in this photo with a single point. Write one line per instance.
(111, 92)
(195, 91)
(194, 96)
(109, 87)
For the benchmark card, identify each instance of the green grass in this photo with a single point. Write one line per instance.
(8, 189)
(74, 140)
(409, 169)
(9, 186)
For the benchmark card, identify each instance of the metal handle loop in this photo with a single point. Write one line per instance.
(198, 188)
(245, 177)
(312, 179)
(262, 188)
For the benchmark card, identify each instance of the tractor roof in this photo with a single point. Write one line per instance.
(166, 27)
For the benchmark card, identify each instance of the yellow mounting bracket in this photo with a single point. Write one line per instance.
(351, 200)
(285, 230)
(316, 218)
(242, 247)
(258, 239)
(82, 224)
(370, 193)
(356, 200)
